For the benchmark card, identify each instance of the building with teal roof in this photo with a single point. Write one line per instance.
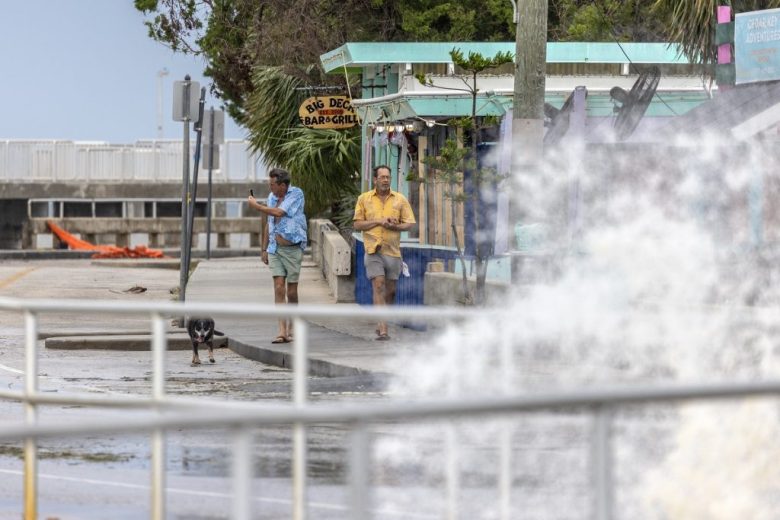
(403, 121)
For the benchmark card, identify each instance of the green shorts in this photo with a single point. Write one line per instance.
(286, 262)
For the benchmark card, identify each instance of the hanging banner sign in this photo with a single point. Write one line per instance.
(327, 112)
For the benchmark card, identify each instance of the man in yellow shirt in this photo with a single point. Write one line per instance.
(381, 214)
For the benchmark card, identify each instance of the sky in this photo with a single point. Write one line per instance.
(86, 70)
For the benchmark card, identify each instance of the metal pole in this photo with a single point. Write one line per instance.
(211, 167)
(193, 199)
(159, 348)
(31, 417)
(185, 186)
(452, 455)
(242, 474)
(452, 468)
(505, 436)
(300, 396)
(359, 454)
(601, 463)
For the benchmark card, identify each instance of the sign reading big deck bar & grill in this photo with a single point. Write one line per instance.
(327, 112)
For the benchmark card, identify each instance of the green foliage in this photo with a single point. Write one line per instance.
(457, 20)
(605, 21)
(476, 63)
(455, 159)
(324, 163)
(692, 23)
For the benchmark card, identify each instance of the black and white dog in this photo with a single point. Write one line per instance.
(201, 330)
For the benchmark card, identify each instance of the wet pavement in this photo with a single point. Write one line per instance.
(88, 477)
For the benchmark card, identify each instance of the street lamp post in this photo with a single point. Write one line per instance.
(160, 75)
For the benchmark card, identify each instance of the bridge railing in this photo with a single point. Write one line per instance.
(151, 161)
(241, 418)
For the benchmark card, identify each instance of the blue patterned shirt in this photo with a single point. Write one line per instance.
(292, 226)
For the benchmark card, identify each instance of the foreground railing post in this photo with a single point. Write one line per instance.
(242, 474)
(601, 462)
(31, 416)
(452, 470)
(359, 486)
(452, 456)
(300, 397)
(159, 348)
(505, 435)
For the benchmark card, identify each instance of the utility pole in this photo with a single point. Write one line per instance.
(530, 65)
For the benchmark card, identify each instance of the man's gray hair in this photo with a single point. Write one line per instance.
(281, 176)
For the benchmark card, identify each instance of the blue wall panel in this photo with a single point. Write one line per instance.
(410, 291)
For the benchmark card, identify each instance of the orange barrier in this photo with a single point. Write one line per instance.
(103, 251)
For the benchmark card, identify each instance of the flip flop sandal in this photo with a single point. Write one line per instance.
(280, 339)
(382, 337)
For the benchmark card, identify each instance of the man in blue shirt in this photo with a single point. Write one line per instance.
(284, 239)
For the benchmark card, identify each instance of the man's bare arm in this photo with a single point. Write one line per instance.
(402, 227)
(274, 212)
(362, 225)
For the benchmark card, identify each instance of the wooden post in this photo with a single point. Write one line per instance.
(422, 218)
(530, 71)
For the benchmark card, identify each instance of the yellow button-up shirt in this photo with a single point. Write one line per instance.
(370, 207)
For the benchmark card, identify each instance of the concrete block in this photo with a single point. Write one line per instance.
(336, 253)
(447, 289)
(317, 226)
(333, 254)
(435, 267)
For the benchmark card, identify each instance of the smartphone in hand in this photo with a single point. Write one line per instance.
(251, 192)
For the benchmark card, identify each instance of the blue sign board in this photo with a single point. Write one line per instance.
(757, 46)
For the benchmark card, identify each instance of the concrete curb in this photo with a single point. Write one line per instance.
(283, 358)
(124, 342)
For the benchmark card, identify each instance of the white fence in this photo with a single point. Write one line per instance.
(242, 418)
(149, 161)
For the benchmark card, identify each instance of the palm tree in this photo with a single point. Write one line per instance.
(691, 23)
(324, 163)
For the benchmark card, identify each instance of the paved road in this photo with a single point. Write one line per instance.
(338, 346)
(108, 477)
(100, 477)
(86, 478)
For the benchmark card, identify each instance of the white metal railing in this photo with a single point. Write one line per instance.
(148, 161)
(241, 417)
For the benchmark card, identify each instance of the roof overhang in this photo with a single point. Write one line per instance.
(448, 96)
(361, 54)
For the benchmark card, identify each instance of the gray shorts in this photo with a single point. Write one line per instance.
(286, 262)
(382, 265)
